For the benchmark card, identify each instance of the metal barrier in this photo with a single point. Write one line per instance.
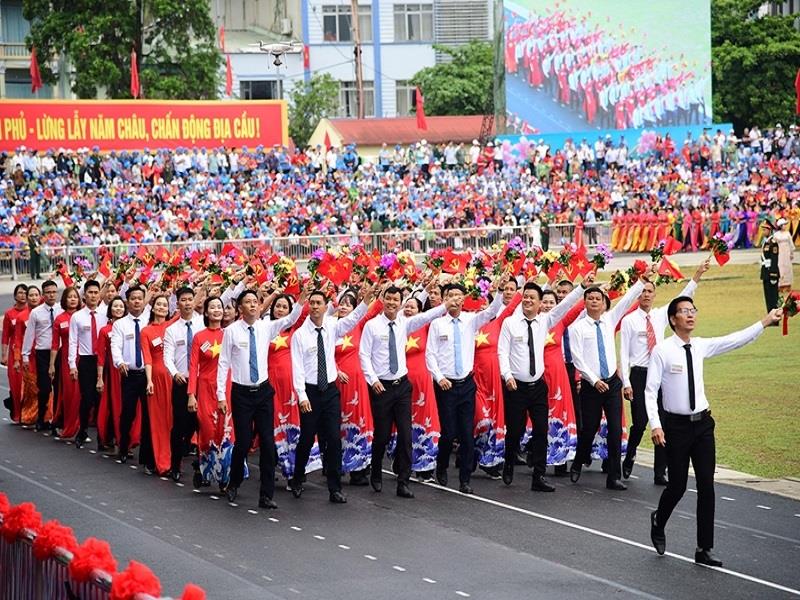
(16, 263)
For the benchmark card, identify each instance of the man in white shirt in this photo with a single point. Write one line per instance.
(640, 331)
(314, 380)
(595, 357)
(382, 353)
(449, 356)
(38, 341)
(177, 348)
(520, 353)
(84, 327)
(245, 355)
(126, 354)
(687, 428)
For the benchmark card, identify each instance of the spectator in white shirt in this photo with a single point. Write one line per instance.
(687, 428)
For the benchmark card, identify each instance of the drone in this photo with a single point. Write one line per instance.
(278, 49)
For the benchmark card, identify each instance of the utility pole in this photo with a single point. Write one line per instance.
(357, 54)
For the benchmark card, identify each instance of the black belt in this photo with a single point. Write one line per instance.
(530, 384)
(693, 418)
(635, 368)
(249, 388)
(393, 382)
(461, 381)
(606, 380)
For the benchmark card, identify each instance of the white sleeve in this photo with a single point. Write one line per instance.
(27, 341)
(732, 341)
(72, 351)
(654, 371)
(503, 350)
(631, 296)
(116, 344)
(365, 354)
(625, 333)
(421, 319)
(345, 325)
(223, 366)
(431, 351)
(169, 352)
(298, 374)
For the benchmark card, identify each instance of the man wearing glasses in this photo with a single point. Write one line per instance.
(687, 429)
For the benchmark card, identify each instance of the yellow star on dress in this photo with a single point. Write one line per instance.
(347, 342)
(280, 342)
(550, 339)
(215, 348)
(412, 342)
(481, 339)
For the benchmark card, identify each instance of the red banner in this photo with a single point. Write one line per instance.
(137, 124)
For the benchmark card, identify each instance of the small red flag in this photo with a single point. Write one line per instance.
(65, 277)
(671, 246)
(455, 263)
(579, 264)
(722, 257)
(306, 57)
(667, 267)
(136, 89)
(327, 141)
(228, 76)
(222, 37)
(36, 77)
(337, 270)
(421, 122)
(104, 268)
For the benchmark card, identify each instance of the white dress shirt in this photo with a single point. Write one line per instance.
(304, 348)
(235, 353)
(231, 293)
(39, 333)
(583, 337)
(176, 350)
(668, 370)
(123, 341)
(512, 344)
(373, 352)
(440, 349)
(80, 334)
(633, 350)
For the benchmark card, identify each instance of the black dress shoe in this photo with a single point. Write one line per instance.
(79, 441)
(657, 535)
(404, 491)
(377, 484)
(560, 470)
(176, 476)
(359, 478)
(267, 502)
(704, 557)
(660, 480)
(441, 477)
(296, 488)
(508, 473)
(465, 488)
(575, 472)
(231, 493)
(616, 485)
(540, 484)
(337, 497)
(627, 468)
(122, 458)
(604, 466)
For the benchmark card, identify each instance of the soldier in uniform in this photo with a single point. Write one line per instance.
(770, 273)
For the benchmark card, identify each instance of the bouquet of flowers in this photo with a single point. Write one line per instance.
(410, 271)
(546, 260)
(283, 270)
(619, 282)
(513, 254)
(636, 270)
(565, 257)
(434, 260)
(720, 248)
(602, 257)
(657, 253)
(313, 262)
(791, 306)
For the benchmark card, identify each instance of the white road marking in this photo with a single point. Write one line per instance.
(252, 512)
(179, 484)
(120, 511)
(590, 492)
(398, 568)
(140, 519)
(92, 451)
(220, 555)
(343, 547)
(213, 497)
(685, 517)
(294, 590)
(104, 504)
(265, 578)
(242, 567)
(233, 504)
(198, 546)
(720, 526)
(176, 536)
(729, 499)
(157, 527)
(761, 506)
(634, 477)
(196, 491)
(319, 537)
(428, 580)
(618, 500)
(273, 519)
(73, 490)
(370, 557)
(462, 594)
(296, 528)
(691, 490)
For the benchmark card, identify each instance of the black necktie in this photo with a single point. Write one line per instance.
(690, 373)
(531, 353)
(322, 364)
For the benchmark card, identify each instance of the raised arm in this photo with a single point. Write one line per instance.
(421, 319)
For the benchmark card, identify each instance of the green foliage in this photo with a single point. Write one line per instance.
(462, 86)
(310, 103)
(179, 57)
(754, 64)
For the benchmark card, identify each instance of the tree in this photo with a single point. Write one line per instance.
(309, 103)
(462, 86)
(754, 64)
(175, 42)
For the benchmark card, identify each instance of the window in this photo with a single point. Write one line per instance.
(348, 99)
(260, 90)
(337, 23)
(15, 27)
(18, 85)
(405, 93)
(413, 22)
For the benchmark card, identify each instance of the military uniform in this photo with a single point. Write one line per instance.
(770, 274)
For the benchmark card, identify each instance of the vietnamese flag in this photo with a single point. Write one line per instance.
(136, 88)
(579, 264)
(553, 271)
(36, 76)
(721, 257)
(104, 268)
(162, 255)
(669, 268)
(455, 263)
(228, 76)
(64, 274)
(143, 254)
(421, 122)
(336, 270)
(530, 271)
(671, 246)
(292, 286)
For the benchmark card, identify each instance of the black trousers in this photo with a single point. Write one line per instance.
(58, 422)
(134, 393)
(184, 425)
(325, 421)
(527, 399)
(593, 403)
(392, 407)
(573, 387)
(87, 382)
(639, 418)
(770, 294)
(456, 408)
(43, 383)
(252, 410)
(687, 440)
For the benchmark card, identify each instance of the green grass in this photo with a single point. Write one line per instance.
(754, 392)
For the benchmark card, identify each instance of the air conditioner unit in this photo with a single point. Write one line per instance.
(286, 27)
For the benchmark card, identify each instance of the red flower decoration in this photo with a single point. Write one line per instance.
(92, 555)
(19, 517)
(136, 579)
(193, 592)
(53, 535)
(4, 504)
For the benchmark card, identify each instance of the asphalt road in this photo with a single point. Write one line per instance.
(500, 543)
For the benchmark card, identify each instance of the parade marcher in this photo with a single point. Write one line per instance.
(382, 354)
(770, 269)
(783, 237)
(11, 349)
(245, 355)
(109, 383)
(563, 288)
(449, 356)
(36, 348)
(640, 332)
(686, 430)
(595, 356)
(29, 396)
(314, 376)
(84, 328)
(178, 339)
(66, 389)
(520, 351)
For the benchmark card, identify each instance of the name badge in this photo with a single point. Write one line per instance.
(311, 349)
(518, 338)
(384, 338)
(180, 342)
(243, 344)
(13, 322)
(443, 338)
(128, 336)
(676, 368)
(63, 325)
(157, 341)
(642, 334)
(83, 327)
(205, 347)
